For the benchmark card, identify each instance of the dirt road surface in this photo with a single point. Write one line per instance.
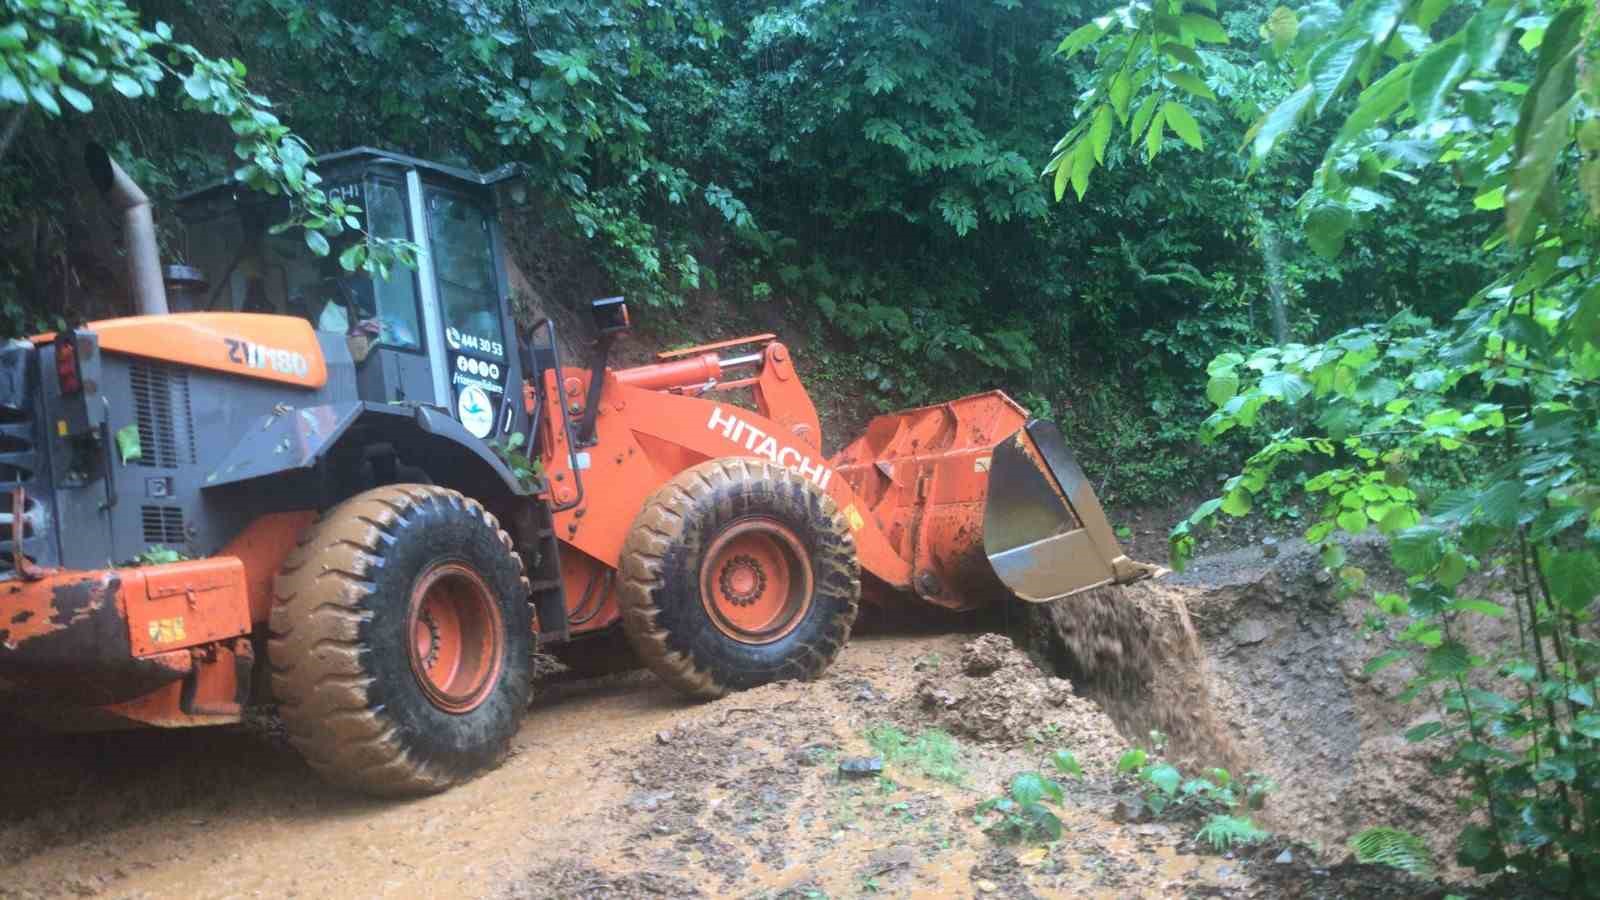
(617, 787)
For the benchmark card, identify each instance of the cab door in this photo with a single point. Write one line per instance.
(472, 312)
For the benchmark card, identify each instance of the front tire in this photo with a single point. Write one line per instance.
(737, 573)
(401, 641)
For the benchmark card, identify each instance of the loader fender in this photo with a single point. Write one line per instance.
(291, 439)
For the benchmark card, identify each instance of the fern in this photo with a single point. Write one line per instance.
(1394, 848)
(1224, 833)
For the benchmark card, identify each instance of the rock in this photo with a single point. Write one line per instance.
(1284, 858)
(811, 754)
(648, 801)
(986, 654)
(1130, 810)
(1249, 631)
(861, 766)
(1150, 830)
(891, 859)
(1269, 548)
(986, 887)
(663, 737)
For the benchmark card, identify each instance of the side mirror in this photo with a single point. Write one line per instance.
(610, 315)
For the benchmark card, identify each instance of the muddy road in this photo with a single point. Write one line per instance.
(617, 787)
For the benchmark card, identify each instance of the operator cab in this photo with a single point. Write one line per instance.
(439, 334)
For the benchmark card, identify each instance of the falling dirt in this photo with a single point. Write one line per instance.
(617, 788)
(1134, 652)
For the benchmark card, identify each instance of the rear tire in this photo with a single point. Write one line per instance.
(737, 573)
(401, 641)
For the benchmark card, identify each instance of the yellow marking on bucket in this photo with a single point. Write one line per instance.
(167, 631)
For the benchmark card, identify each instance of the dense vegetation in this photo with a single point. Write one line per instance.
(866, 172)
(1469, 441)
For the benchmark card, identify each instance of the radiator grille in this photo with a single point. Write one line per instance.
(161, 407)
(163, 525)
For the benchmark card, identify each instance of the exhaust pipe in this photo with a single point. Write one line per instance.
(138, 227)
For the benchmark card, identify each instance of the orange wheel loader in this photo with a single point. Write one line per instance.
(366, 499)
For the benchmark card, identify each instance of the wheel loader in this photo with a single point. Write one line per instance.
(366, 499)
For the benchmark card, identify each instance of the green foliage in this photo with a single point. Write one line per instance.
(1213, 794)
(68, 50)
(1394, 848)
(157, 555)
(1468, 440)
(529, 472)
(1020, 814)
(1224, 832)
(1147, 52)
(931, 753)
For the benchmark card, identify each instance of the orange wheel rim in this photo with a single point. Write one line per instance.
(454, 633)
(755, 581)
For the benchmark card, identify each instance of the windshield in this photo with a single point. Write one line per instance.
(463, 259)
(384, 309)
(260, 272)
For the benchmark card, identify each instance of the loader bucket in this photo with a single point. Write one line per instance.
(981, 501)
(1044, 532)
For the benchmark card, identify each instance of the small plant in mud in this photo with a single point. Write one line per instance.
(1214, 794)
(1019, 814)
(932, 753)
(1225, 832)
(1394, 848)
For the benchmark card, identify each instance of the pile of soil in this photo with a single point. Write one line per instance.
(999, 696)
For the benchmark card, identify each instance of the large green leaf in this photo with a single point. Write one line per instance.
(1436, 75)
(1449, 659)
(1221, 388)
(1416, 550)
(1075, 42)
(1331, 68)
(1280, 28)
(1191, 83)
(1487, 34)
(1379, 101)
(1120, 93)
(1082, 165)
(1204, 28)
(1141, 118)
(1027, 787)
(1543, 123)
(1326, 227)
(1574, 577)
(1100, 133)
(1501, 503)
(1152, 138)
(1183, 124)
(1280, 121)
(1285, 386)
(1166, 777)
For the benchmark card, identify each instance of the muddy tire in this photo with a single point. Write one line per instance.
(401, 641)
(737, 573)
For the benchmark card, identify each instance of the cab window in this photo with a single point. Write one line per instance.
(384, 309)
(463, 262)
